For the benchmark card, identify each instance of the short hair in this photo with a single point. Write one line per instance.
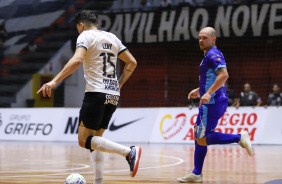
(87, 17)
(210, 30)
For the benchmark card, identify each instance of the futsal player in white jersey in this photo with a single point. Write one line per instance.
(98, 51)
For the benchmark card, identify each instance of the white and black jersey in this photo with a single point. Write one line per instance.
(100, 60)
(249, 99)
(274, 99)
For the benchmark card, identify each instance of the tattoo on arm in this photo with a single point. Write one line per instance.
(128, 70)
(122, 78)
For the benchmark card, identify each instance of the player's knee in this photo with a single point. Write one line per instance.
(87, 143)
(81, 143)
(201, 141)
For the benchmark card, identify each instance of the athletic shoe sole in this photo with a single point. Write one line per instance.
(137, 156)
(247, 143)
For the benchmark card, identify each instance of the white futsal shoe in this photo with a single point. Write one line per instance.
(191, 178)
(245, 142)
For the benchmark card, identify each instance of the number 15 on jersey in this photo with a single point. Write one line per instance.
(107, 59)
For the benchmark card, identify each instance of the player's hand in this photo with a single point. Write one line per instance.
(120, 85)
(194, 93)
(46, 88)
(205, 98)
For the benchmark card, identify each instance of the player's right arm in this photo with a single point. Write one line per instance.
(130, 65)
(68, 69)
(194, 93)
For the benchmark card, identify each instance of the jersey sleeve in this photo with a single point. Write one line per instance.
(217, 61)
(257, 98)
(121, 47)
(82, 41)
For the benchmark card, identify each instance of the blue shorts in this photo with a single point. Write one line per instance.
(208, 117)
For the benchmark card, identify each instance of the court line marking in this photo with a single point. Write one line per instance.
(179, 161)
(84, 166)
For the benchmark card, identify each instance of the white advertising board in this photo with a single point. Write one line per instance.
(144, 125)
(61, 124)
(272, 130)
(37, 124)
(132, 125)
(176, 125)
(126, 125)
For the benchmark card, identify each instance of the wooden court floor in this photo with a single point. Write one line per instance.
(36, 162)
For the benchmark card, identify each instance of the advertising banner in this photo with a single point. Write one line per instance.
(272, 130)
(144, 125)
(132, 125)
(32, 124)
(176, 125)
(68, 125)
(61, 124)
(184, 23)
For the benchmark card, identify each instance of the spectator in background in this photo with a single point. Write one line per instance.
(3, 37)
(248, 97)
(275, 98)
(145, 5)
(232, 100)
(194, 102)
(3, 33)
(166, 4)
(190, 3)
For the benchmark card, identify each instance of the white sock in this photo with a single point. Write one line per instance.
(104, 145)
(98, 158)
(98, 181)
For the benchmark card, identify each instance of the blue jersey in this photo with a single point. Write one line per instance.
(212, 61)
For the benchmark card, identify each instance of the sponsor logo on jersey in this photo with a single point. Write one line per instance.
(112, 99)
(111, 84)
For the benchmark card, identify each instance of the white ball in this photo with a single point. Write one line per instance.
(75, 179)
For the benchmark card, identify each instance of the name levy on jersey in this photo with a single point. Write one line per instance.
(107, 46)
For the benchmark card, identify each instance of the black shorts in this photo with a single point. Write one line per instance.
(97, 110)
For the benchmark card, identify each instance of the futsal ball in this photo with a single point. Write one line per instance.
(75, 179)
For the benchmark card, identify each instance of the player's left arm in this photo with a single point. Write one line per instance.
(130, 65)
(68, 69)
(222, 76)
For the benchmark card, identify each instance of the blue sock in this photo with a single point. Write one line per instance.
(220, 138)
(199, 157)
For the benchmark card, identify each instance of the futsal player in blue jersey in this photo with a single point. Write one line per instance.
(213, 104)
